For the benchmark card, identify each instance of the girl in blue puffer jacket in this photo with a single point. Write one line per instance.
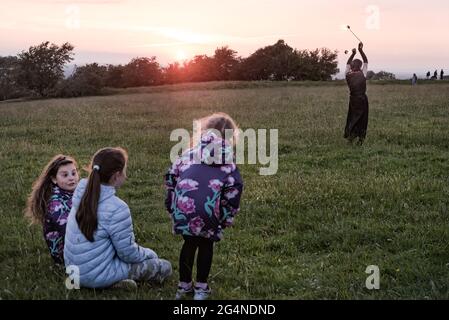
(99, 238)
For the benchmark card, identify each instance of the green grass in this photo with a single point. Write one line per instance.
(308, 232)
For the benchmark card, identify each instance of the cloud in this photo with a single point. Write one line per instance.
(79, 2)
(161, 44)
(212, 39)
(183, 37)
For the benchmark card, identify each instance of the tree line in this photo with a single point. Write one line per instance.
(39, 71)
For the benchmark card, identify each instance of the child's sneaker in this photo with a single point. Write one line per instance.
(126, 284)
(202, 294)
(182, 292)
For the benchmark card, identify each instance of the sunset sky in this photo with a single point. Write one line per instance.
(399, 36)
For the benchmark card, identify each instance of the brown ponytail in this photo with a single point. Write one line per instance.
(104, 164)
(87, 211)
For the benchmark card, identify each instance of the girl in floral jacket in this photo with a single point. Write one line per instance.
(51, 200)
(204, 187)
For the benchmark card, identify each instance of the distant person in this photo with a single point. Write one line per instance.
(442, 74)
(414, 80)
(357, 119)
(203, 197)
(51, 200)
(100, 238)
(428, 75)
(435, 75)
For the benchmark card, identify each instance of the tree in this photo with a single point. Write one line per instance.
(309, 66)
(42, 66)
(9, 72)
(200, 68)
(173, 73)
(114, 76)
(203, 68)
(328, 64)
(225, 60)
(271, 62)
(85, 80)
(142, 72)
(282, 62)
(370, 75)
(382, 75)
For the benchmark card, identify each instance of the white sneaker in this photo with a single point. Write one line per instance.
(202, 294)
(182, 293)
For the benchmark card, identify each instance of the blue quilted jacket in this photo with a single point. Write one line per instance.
(108, 258)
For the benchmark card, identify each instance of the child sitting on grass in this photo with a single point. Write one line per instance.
(50, 202)
(100, 240)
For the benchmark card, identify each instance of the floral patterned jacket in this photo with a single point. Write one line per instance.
(203, 191)
(55, 222)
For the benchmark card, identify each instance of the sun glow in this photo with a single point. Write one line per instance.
(180, 56)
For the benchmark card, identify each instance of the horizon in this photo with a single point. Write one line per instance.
(115, 31)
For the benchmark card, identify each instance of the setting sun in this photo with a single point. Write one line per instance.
(180, 56)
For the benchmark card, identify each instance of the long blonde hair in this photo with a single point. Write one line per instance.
(37, 202)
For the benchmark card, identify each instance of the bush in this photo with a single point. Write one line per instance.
(382, 75)
(86, 80)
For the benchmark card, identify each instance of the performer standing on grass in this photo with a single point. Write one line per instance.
(357, 121)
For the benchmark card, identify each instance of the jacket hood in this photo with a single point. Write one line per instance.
(213, 150)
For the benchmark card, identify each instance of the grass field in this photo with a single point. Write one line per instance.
(308, 232)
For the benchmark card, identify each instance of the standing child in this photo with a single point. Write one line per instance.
(414, 80)
(204, 188)
(357, 120)
(100, 240)
(50, 202)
